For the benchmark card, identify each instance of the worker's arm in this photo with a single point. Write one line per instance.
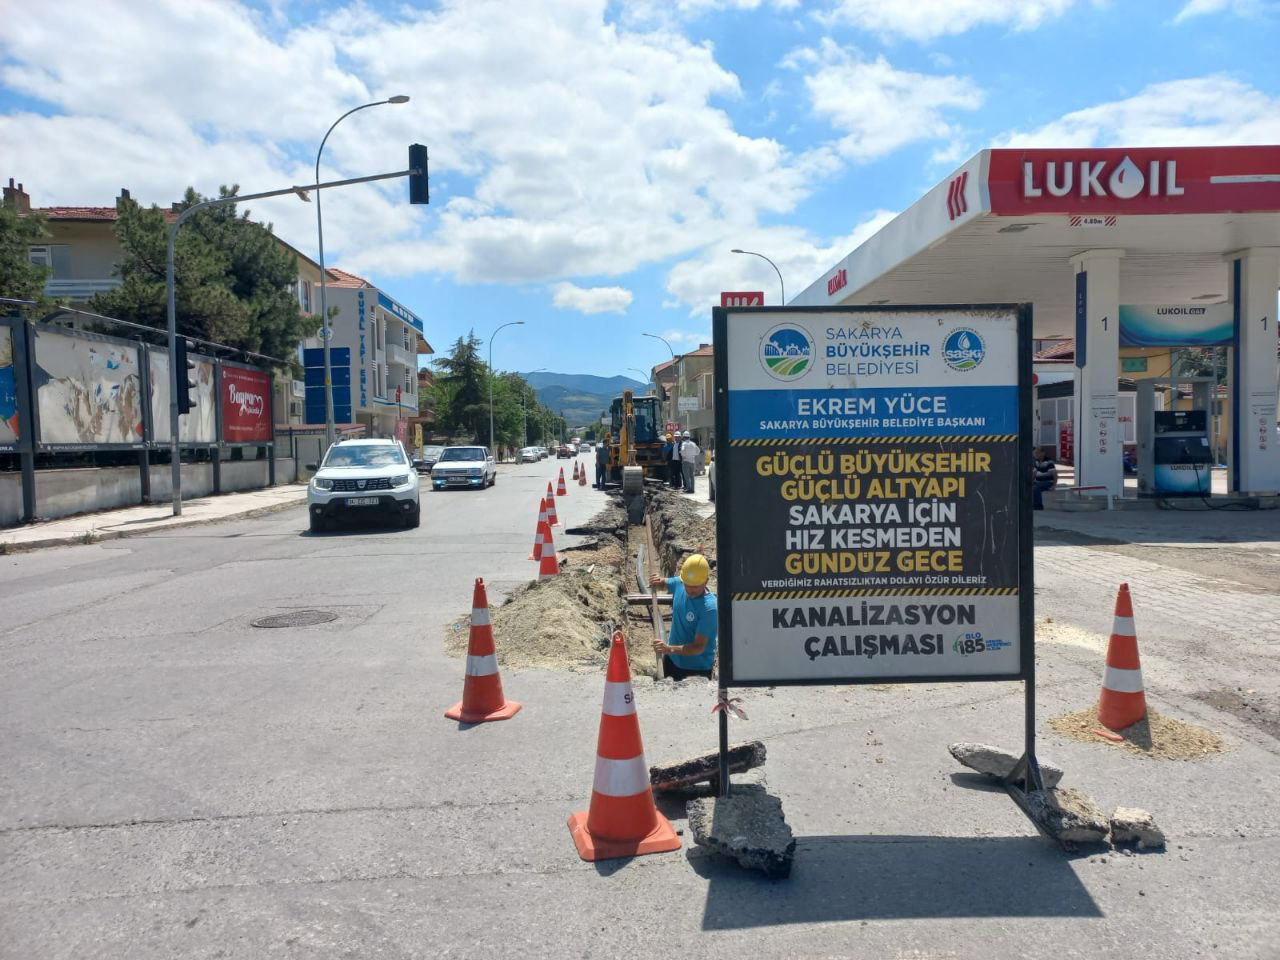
(685, 650)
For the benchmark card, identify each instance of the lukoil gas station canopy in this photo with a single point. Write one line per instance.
(1079, 233)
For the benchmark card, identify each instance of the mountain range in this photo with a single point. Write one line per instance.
(579, 397)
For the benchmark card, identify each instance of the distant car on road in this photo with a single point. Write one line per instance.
(529, 455)
(544, 452)
(563, 452)
(364, 478)
(470, 467)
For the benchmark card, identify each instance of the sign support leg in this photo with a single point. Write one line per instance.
(723, 695)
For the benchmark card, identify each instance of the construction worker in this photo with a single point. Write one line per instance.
(602, 460)
(691, 651)
(672, 451)
(689, 457)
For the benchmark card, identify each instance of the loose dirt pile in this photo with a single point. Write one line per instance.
(1156, 736)
(678, 530)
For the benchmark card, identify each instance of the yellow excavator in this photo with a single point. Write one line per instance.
(637, 437)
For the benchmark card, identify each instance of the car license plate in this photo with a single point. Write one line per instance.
(362, 501)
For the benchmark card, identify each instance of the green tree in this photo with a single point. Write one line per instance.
(234, 282)
(19, 277)
(462, 400)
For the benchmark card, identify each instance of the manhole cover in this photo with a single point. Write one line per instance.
(296, 618)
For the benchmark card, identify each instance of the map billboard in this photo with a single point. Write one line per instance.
(200, 426)
(873, 514)
(88, 391)
(246, 405)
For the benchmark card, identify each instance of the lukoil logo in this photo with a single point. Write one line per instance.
(963, 349)
(786, 351)
(1124, 181)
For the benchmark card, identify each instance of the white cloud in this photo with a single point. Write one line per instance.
(1241, 8)
(801, 259)
(924, 20)
(879, 107)
(1215, 109)
(568, 296)
(562, 145)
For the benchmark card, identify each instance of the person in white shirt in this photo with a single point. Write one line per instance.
(689, 455)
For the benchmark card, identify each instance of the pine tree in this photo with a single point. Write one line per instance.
(464, 381)
(233, 281)
(19, 277)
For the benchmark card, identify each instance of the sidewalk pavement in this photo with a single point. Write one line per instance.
(147, 518)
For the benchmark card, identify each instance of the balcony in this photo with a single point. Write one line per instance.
(398, 354)
(78, 291)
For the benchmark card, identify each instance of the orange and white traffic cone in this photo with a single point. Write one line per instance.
(548, 563)
(482, 698)
(575, 470)
(582, 477)
(560, 488)
(536, 553)
(551, 507)
(1122, 702)
(622, 820)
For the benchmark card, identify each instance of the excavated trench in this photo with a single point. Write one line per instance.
(564, 622)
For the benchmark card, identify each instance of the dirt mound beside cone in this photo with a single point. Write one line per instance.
(1157, 736)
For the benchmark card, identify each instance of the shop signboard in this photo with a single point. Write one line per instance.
(873, 515)
(246, 405)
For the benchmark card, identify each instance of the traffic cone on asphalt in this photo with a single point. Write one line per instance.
(482, 698)
(551, 507)
(622, 820)
(536, 553)
(582, 477)
(548, 564)
(560, 488)
(575, 469)
(1122, 702)
(542, 510)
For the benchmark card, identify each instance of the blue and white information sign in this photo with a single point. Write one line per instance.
(873, 477)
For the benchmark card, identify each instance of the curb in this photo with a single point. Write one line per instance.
(78, 539)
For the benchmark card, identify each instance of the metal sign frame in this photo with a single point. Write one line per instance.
(729, 542)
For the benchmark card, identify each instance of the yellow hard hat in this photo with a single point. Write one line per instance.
(695, 570)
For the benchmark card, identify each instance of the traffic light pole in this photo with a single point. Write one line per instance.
(174, 454)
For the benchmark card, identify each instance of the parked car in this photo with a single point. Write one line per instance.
(363, 478)
(545, 452)
(429, 457)
(529, 455)
(470, 467)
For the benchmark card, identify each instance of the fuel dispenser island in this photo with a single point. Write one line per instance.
(1174, 454)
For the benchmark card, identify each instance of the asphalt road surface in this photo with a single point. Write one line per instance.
(177, 783)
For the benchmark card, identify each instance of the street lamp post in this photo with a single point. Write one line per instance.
(648, 377)
(493, 445)
(772, 264)
(329, 428)
(675, 368)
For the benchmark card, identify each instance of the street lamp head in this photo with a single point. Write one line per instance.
(398, 98)
(736, 250)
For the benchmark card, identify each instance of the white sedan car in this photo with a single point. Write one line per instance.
(465, 467)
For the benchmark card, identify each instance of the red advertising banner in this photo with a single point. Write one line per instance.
(742, 298)
(1135, 180)
(246, 406)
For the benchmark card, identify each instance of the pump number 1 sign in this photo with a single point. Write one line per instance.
(873, 494)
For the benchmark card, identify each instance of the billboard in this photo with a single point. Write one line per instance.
(246, 405)
(88, 391)
(1176, 325)
(8, 390)
(198, 426)
(873, 512)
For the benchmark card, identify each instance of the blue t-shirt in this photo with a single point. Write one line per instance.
(690, 617)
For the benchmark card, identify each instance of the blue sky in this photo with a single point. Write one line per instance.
(593, 163)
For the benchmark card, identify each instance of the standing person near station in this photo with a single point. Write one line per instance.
(1044, 476)
(689, 457)
(602, 460)
(691, 650)
(667, 455)
(673, 458)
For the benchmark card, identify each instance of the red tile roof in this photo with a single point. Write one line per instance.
(1063, 349)
(341, 278)
(94, 214)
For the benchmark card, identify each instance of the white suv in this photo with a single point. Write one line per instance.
(364, 478)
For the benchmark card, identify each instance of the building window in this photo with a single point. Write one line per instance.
(304, 295)
(40, 257)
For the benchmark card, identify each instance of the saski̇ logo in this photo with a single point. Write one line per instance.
(963, 349)
(786, 351)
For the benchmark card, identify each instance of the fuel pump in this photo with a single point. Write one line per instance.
(1174, 456)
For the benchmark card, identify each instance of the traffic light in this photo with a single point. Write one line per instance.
(185, 367)
(418, 174)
